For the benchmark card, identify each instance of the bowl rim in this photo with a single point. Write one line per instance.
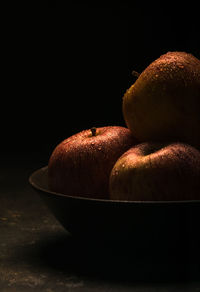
(107, 201)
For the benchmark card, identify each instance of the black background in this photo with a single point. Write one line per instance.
(66, 65)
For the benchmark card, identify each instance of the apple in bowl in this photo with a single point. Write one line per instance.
(81, 164)
(157, 172)
(163, 104)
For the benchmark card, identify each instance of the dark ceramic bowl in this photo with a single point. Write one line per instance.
(145, 223)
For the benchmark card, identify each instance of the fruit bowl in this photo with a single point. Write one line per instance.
(146, 224)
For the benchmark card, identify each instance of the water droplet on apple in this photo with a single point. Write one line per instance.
(116, 172)
(123, 165)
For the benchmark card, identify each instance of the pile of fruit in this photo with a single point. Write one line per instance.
(156, 158)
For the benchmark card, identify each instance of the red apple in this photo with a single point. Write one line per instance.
(81, 164)
(157, 172)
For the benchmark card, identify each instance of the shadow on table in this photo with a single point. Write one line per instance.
(117, 261)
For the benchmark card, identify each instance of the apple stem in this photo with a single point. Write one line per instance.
(93, 131)
(135, 74)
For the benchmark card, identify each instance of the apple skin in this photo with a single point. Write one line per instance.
(81, 164)
(164, 102)
(157, 172)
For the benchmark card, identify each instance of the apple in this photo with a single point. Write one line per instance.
(81, 164)
(163, 104)
(153, 171)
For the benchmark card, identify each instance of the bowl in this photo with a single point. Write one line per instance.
(150, 223)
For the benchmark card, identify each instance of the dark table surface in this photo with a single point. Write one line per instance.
(37, 253)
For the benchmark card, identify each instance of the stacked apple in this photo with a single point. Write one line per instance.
(157, 157)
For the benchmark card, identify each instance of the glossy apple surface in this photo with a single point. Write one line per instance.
(164, 102)
(157, 172)
(81, 164)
